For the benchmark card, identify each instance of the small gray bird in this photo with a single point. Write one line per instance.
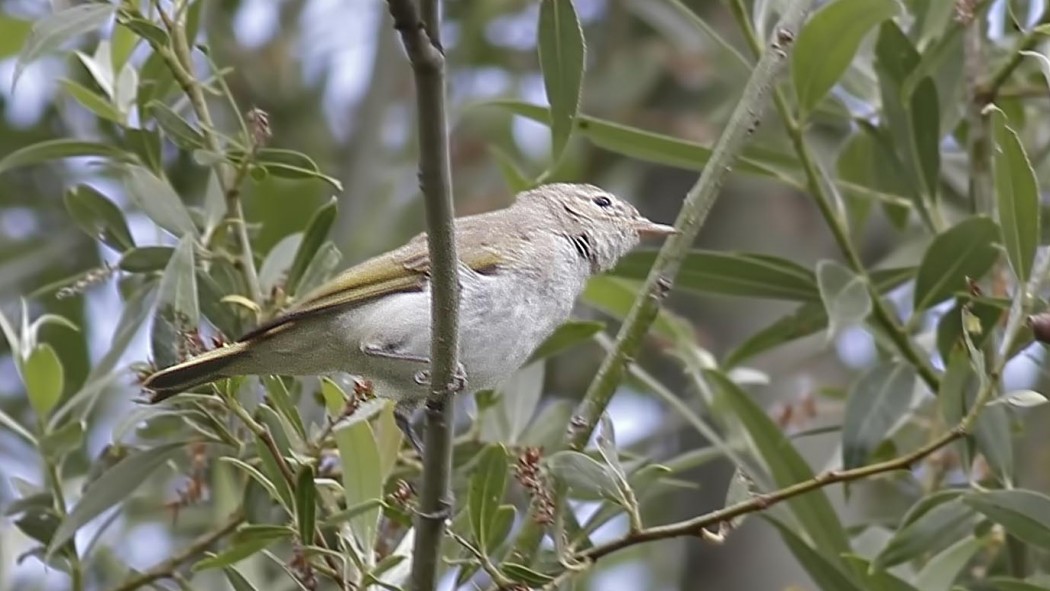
(521, 270)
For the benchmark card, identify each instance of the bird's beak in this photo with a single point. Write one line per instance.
(647, 228)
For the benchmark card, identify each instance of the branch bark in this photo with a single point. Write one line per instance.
(420, 30)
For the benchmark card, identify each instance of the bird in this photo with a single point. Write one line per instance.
(521, 270)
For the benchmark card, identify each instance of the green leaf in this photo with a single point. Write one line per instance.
(1024, 513)
(306, 504)
(238, 581)
(524, 574)
(487, 485)
(282, 401)
(516, 404)
(949, 328)
(271, 467)
(288, 164)
(275, 266)
(940, 572)
(876, 403)
(562, 54)
(649, 146)
(615, 296)
(116, 484)
(931, 532)
(146, 259)
(92, 101)
(98, 217)
(158, 200)
(43, 377)
(1017, 196)
(729, 273)
(56, 444)
(566, 336)
(178, 286)
(966, 250)
(362, 482)
(827, 43)
(826, 573)
(1022, 399)
(924, 115)
(52, 31)
(313, 237)
(13, 35)
(583, 475)
(787, 467)
(234, 554)
(806, 320)
(175, 127)
(845, 296)
(58, 149)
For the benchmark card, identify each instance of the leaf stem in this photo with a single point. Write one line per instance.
(882, 314)
(76, 571)
(420, 30)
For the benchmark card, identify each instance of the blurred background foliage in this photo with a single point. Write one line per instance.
(332, 80)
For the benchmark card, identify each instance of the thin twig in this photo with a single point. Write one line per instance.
(991, 91)
(166, 569)
(420, 30)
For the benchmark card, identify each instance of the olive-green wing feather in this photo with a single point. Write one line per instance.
(401, 270)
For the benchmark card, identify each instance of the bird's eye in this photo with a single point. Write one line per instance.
(602, 201)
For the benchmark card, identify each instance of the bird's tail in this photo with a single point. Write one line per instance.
(200, 370)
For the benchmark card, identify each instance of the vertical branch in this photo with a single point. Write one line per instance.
(420, 31)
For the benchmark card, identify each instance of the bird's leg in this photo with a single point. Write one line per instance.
(403, 412)
(422, 377)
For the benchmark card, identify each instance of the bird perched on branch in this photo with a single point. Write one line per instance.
(521, 270)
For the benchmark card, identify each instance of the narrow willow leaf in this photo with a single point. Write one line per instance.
(234, 554)
(274, 268)
(828, 574)
(98, 217)
(931, 532)
(178, 286)
(178, 130)
(813, 510)
(314, 236)
(806, 320)
(58, 149)
(565, 337)
(43, 376)
(306, 504)
(876, 403)
(1017, 197)
(238, 581)
(940, 572)
(487, 485)
(50, 32)
(845, 296)
(729, 273)
(56, 444)
(515, 405)
(1022, 399)
(112, 487)
(827, 43)
(584, 475)
(1024, 513)
(361, 479)
(158, 200)
(562, 55)
(966, 250)
(92, 101)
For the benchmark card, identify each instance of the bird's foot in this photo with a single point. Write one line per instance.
(443, 513)
(459, 379)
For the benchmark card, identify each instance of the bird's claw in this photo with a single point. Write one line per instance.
(458, 383)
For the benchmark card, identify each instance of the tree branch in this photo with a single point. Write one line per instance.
(698, 202)
(167, 568)
(420, 30)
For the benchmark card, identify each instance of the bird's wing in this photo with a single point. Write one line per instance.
(404, 269)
